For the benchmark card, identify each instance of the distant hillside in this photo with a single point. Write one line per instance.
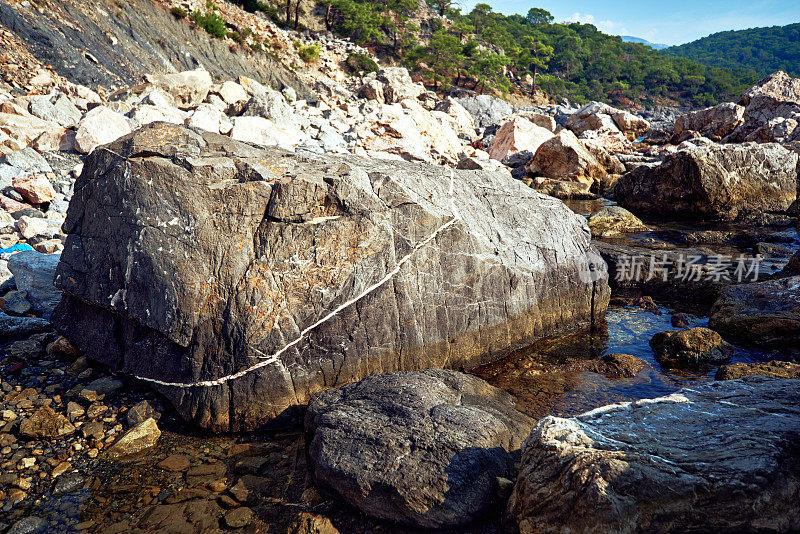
(763, 50)
(631, 39)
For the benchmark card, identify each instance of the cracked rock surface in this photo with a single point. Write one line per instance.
(192, 256)
(630, 467)
(418, 448)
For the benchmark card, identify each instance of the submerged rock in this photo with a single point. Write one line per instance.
(691, 347)
(713, 182)
(777, 369)
(417, 448)
(762, 313)
(241, 281)
(674, 464)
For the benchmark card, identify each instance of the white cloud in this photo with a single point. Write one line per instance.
(606, 26)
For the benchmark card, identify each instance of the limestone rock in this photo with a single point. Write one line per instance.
(35, 188)
(189, 88)
(564, 158)
(232, 93)
(517, 135)
(464, 124)
(418, 448)
(261, 246)
(715, 122)
(486, 110)
(99, 127)
(615, 221)
(714, 182)
(265, 132)
(396, 84)
(691, 347)
(593, 116)
(722, 454)
(760, 313)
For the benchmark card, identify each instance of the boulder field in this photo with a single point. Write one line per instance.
(240, 281)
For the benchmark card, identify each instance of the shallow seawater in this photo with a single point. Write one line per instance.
(534, 376)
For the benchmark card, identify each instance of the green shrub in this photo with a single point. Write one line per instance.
(179, 12)
(361, 63)
(212, 23)
(309, 53)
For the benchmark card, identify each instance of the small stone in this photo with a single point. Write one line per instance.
(8, 415)
(74, 410)
(31, 227)
(218, 486)
(15, 303)
(139, 412)
(100, 389)
(61, 468)
(63, 346)
(46, 424)
(28, 525)
(23, 483)
(93, 429)
(92, 453)
(175, 463)
(239, 517)
(25, 463)
(141, 437)
(16, 495)
(68, 484)
(691, 347)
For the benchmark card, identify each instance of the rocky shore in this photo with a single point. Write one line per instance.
(320, 302)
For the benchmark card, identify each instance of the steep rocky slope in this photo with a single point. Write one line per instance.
(109, 44)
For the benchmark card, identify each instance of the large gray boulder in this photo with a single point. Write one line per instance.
(486, 110)
(719, 457)
(772, 111)
(243, 280)
(713, 182)
(765, 313)
(418, 448)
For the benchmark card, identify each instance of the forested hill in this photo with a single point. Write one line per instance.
(486, 51)
(764, 50)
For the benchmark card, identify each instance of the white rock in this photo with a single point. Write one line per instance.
(232, 93)
(99, 127)
(32, 226)
(517, 135)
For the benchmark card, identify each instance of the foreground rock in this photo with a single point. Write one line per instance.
(246, 280)
(714, 182)
(139, 438)
(691, 348)
(777, 369)
(419, 448)
(766, 314)
(673, 464)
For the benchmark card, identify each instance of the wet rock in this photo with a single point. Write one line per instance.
(777, 369)
(45, 424)
(615, 221)
(713, 182)
(100, 389)
(677, 463)
(293, 232)
(613, 366)
(564, 158)
(69, 483)
(680, 320)
(175, 463)
(793, 267)
(16, 327)
(377, 442)
(518, 134)
(99, 127)
(139, 438)
(15, 303)
(307, 523)
(239, 517)
(765, 314)
(691, 347)
(29, 525)
(27, 349)
(139, 412)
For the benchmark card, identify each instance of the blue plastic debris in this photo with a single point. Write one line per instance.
(16, 248)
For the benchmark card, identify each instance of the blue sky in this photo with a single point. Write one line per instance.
(674, 22)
